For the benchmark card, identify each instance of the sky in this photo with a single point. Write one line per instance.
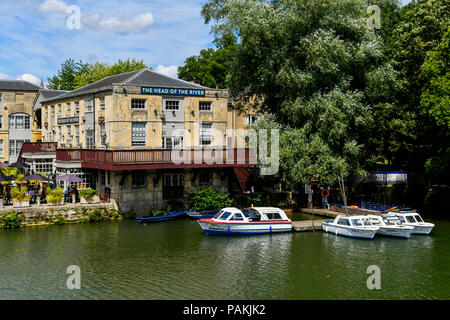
(36, 36)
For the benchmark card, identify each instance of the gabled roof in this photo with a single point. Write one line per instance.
(46, 94)
(18, 85)
(143, 77)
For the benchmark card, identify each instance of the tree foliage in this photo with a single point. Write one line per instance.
(317, 68)
(73, 75)
(210, 68)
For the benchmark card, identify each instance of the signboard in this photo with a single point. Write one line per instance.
(68, 120)
(389, 177)
(173, 91)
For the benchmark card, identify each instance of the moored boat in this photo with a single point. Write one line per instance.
(351, 226)
(413, 219)
(391, 226)
(162, 217)
(260, 220)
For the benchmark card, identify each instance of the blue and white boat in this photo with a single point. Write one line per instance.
(413, 219)
(162, 217)
(351, 226)
(231, 221)
(391, 226)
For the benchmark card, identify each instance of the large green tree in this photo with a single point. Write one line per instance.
(73, 75)
(436, 103)
(318, 70)
(210, 68)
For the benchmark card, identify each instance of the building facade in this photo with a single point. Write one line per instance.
(144, 139)
(17, 121)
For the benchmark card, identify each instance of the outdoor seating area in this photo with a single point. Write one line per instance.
(19, 190)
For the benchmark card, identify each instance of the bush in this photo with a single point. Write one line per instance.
(54, 196)
(11, 220)
(19, 195)
(207, 198)
(59, 219)
(88, 193)
(246, 200)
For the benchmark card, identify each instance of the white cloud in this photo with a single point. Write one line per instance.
(3, 76)
(170, 71)
(57, 6)
(136, 24)
(30, 78)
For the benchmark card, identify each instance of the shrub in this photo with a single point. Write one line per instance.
(11, 220)
(54, 196)
(206, 198)
(59, 219)
(157, 212)
(88, 193)
(19, 194)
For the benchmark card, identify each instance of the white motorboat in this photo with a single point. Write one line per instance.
(351, 226)
(413, 219)
(260, 220)
(391, 226)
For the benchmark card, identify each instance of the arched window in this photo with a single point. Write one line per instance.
(19, 121)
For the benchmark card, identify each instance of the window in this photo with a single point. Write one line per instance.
(237, 217)
(102, 103)
(1, 97)
(77, 107)
(88, 105)
(60, 132)
(69, 132)
(205, 106)
(138, 133)
(411, 219)
(139, 179)
(250, 119)
(69, 109)
(102, 134)
(138, 103)
(59, 110)
(172, 142)
(15, 146)
(172, 105)
(53, 111)
(418, 218)
(77, 135)
(19, 121)
(206, 177)
(273, 216)
(1, 148)
(206, 133)
(1, 122)
(225, 215)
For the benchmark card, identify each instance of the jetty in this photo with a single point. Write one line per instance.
(307, 225)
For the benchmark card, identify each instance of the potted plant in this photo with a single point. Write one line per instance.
(20, 197)
(87, 195)
(55, 197)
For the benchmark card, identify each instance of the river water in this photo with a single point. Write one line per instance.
(175, 260)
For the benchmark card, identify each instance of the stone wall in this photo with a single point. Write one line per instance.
(69, 213)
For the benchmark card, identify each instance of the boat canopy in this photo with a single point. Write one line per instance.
(267, 213)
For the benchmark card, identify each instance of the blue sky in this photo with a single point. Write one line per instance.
(35, 39)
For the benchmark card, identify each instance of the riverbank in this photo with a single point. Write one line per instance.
(11, 218)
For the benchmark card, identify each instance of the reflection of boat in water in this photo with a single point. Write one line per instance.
(162, 217)
(413, 219)
(351, 226)
(260, 220)
(391, 226)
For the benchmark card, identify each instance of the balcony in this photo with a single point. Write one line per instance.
(37, 147)
(157, 158)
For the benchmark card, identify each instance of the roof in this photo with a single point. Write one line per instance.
(18, 85)
(46, 94)
(266, 209)
(142, 77)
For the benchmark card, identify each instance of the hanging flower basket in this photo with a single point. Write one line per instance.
(101, 119)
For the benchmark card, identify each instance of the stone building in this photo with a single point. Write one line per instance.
(17, 124)
(144, 139)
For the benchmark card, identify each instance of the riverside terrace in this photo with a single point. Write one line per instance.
(146, 178)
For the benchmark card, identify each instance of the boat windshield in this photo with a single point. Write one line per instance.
(411, 219)
(391, 221)
(418, 218)
(375, 221)
(218, 215)
(273, 216)
(225, 215)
